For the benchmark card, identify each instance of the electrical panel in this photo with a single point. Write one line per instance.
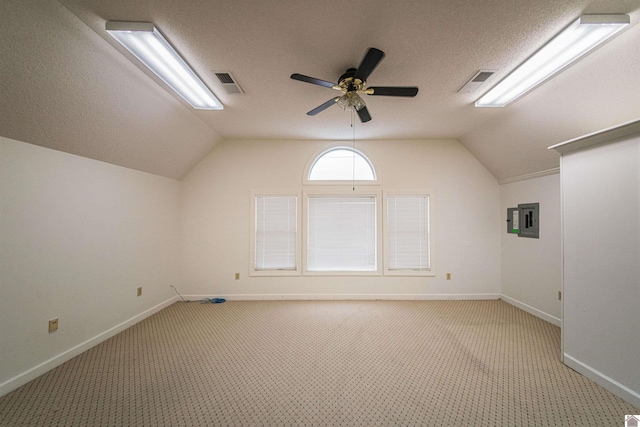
(524, 220)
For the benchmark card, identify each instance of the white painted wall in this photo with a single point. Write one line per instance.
(77, 237)
(532, 268)
(601, 232)
(215, 227)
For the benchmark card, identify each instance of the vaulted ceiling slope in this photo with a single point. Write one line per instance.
(65, 84)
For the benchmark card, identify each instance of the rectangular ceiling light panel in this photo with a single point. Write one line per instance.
(147, 44)
(583, 35)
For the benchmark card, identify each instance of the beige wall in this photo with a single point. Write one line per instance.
(77, 238)
(532, 268)
(601, 258)
(215, 226)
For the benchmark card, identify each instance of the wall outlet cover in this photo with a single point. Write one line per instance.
(53, 325)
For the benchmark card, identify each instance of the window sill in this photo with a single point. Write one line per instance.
(274, 273)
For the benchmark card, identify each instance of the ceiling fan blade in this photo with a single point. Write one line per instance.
(323, 107)
(364, 115)
(392, 91)
(312, 80)
(369, 63)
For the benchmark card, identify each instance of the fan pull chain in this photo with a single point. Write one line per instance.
(353, 127)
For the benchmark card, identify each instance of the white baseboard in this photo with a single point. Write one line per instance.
(532, 310)
(620, 390)
(58, 360)
(341, 297)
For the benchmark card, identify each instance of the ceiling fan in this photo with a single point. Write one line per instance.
(352, 83)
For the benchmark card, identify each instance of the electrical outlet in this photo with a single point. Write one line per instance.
(237, 276)
(53, 325)
(448, 276)
(139, 291)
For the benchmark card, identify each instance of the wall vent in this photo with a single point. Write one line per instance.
(476, 81)
(228, 82)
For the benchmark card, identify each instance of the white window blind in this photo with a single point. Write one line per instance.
(275, 228)
(408, 232)
(341, 233)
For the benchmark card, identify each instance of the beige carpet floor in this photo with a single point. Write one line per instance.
(321, 363)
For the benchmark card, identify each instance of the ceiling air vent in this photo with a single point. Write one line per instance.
(228, 82)
(476, 81)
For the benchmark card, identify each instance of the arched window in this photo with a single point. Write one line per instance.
(342, 164)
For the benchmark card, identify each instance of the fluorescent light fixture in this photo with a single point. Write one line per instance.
(147, 44)
(583, 35)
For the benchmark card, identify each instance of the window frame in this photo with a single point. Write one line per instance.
(252, 250)
(431, 242)
(339, 183)
(341, 191)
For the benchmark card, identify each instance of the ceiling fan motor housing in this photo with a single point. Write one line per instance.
(348, 84)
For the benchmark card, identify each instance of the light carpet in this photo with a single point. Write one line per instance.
(321, 363)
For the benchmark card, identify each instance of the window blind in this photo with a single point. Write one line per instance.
(276, 229)
(408, 232)
(341, 233)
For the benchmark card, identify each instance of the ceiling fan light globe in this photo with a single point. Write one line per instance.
(358, 103)
(351, 101)
(343, 102)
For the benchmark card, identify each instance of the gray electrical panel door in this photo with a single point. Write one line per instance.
(529, 220)
(513, 220)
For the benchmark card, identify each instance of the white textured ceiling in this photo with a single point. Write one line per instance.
(66, 85)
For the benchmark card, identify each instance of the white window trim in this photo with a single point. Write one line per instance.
(342, 191)
(432, 203)
(252, 250)
(335, 146)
